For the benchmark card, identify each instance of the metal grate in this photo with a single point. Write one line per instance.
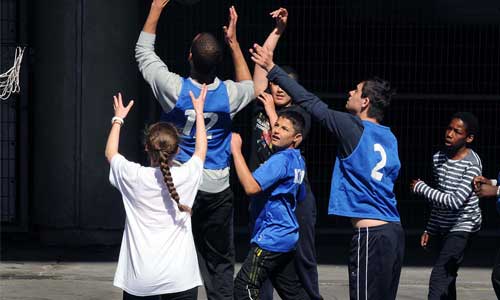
(441, 59)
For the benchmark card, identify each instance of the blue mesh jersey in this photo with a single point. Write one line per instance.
(363, 182)
(217, 123)
(281, 179)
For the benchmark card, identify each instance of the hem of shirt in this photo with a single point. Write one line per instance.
(431, 232)
(364, 216)
(275, 249)
(122, 286)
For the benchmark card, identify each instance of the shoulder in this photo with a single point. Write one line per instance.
(473, 158)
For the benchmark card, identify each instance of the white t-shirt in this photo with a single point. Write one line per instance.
(157, 254)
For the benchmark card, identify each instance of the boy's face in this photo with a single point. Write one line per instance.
(355, 103)
(456, 135)
(284, 135)
(280, 97)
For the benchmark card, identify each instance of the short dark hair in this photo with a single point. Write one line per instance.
(470, 121)
(379, 92)
(206, 53)
(296, 118)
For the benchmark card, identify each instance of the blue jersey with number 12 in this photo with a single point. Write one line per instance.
(363, 182)
(217, 123)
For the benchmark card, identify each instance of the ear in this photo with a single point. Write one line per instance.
(190, 56)
(297, 139)
(469, 138)
(366, 102)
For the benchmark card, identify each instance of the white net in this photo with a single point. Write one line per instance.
(9, 81)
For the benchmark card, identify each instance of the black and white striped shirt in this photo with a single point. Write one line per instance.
(455, 206)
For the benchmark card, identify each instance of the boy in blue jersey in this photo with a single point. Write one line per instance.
(265, 114)
(212, 220)
(484, 188)
(366, 168)
(279, 181)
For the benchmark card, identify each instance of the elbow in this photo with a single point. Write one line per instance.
(252, 190)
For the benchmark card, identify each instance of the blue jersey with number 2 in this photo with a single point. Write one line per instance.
(217, 123)
(363, 182)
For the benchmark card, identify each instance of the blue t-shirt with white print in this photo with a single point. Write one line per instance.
(217, 123)
(281, 180)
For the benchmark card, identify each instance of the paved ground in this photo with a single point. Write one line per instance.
(35, 272)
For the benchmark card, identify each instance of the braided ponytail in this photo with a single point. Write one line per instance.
(162, 143)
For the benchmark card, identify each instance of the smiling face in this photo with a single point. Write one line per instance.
(280, 97)
(456, 134)
(284, 135)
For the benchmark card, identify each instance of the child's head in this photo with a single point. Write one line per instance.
(280, 97)
(162, 144)
(287, 131)
(461, 130)
(205, 53)
(373, 94)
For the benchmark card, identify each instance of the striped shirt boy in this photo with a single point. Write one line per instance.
(455, 206)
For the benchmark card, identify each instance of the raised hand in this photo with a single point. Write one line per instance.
(267, 100)
(120, 110)
(281, 16)
(159, 4)
(230, 29)
(262, 57)
(199, 103)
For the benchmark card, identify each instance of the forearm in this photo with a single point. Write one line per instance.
(241, 71)
(271, 115)
(452, 201)
(307, 100)
(259, 74)
(113, 141)
(245, 177)
(152, 20)
(201, 137)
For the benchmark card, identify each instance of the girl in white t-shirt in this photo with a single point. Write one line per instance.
(157, 256)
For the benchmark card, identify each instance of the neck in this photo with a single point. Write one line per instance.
(458, 154)
(364, 117)
(202, 78)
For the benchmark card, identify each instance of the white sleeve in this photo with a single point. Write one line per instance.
(187, 179)
(166, 85)
(240, 95)
(123, 173)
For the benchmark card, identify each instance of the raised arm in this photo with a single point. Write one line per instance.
(200, 149)
(166, 85)
(116, 124)
(250, 185)
(241, 71)
(346, 127)
(452, 201)
(259, 74)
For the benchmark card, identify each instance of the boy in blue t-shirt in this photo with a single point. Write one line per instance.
(280, 182)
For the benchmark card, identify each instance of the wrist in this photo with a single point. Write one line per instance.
(233, 45)
(117, 120)
(269, 67)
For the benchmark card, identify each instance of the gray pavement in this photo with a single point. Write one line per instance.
(31, 280)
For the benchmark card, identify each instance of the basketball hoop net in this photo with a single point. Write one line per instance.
(9, 81)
